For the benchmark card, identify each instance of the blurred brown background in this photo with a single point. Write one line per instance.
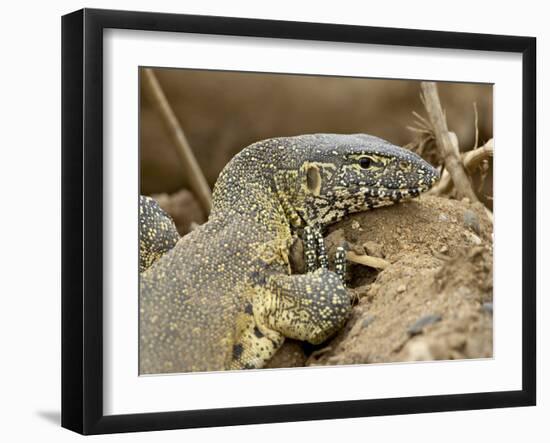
(222, 112)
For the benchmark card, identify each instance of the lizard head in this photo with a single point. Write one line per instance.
(342, 174)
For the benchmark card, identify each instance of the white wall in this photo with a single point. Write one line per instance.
(30, 246)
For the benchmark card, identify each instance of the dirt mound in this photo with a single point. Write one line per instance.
(433, 299)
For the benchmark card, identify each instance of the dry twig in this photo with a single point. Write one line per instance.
(476, 126)
(367, 260)
(191, 168)
(471, 160)
(446, 141)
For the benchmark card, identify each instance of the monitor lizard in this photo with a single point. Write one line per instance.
(223, 297)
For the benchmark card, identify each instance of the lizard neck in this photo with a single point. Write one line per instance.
(299, 207)
(283, 193)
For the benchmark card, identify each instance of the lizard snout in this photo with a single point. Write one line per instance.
(431, 175)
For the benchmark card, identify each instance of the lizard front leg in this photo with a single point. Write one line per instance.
(310, 249)
(315, 254)
(308, 307)
(255, 346)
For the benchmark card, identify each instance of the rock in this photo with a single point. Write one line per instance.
(418, 350)
(401, 289)
(471, 221)
(359, 250)
(488, 308)
(421, 323)
(334, 239)
(373, 249)
(367, 321)
(474, 238)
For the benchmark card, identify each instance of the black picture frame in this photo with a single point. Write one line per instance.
(82, 219)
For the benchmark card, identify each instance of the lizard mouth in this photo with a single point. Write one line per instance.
(374, 194)
(396, 194)
(393, 193)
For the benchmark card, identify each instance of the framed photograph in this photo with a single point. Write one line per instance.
(268, 221)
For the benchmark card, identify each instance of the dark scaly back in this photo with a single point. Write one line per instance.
(196, 300)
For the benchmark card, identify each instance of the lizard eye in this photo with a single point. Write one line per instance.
(365, 162)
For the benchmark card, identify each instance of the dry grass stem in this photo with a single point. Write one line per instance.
(190, 166)
(367, 260)
(471, 160)
(476, 126)
(447, 141)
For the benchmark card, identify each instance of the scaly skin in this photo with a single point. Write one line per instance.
(157, 232)
(223, 297)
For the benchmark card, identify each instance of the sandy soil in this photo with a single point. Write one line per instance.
(435, 299)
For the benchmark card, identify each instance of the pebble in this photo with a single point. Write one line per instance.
(401, 288)
(443, 249)
(421, 323)
(488, 307)
(367, 321)
(474, 239)
(355, 225)
(418, 351)
(443, 218)
(373, 249)
(471, 221)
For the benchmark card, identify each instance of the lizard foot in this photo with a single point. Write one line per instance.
(309, 307)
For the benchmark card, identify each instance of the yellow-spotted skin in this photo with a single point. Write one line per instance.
(157, 232)
(223, 297)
